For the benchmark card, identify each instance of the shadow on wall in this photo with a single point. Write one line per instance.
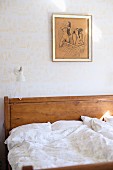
(2, 136)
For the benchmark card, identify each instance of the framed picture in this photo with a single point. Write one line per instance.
(72, 37)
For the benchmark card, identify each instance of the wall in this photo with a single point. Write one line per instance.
(26, 40)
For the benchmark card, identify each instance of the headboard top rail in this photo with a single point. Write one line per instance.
(59, 98)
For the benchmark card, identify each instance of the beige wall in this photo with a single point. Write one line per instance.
(25, 40)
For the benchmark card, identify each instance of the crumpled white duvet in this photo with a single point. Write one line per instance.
(58, 148)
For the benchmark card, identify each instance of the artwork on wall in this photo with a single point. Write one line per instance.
(72, 37)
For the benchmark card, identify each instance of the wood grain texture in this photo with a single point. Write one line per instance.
(44, 109)
(27, 168)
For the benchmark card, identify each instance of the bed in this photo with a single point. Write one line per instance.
(50, 109)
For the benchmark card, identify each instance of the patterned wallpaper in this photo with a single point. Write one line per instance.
(26, 40)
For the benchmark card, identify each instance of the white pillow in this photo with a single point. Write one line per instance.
(44, 126)
(30, 132)
(65, 124)
(86, 120)
(109, 119)
(102, 127)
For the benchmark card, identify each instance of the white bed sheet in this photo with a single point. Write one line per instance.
(72, 146)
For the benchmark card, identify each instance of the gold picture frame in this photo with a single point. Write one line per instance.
(72, 36)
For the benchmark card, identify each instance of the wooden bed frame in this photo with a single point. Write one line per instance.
(50, 109)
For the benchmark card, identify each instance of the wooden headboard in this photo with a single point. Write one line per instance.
(43, 109)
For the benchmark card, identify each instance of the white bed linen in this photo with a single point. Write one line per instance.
(65, 124)
(104, 128)
(29, 132)
(109, 119)
(72, 146)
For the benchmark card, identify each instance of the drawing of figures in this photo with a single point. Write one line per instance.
(80, 37)
(69, 28)
(66, 34)
(74, 36)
